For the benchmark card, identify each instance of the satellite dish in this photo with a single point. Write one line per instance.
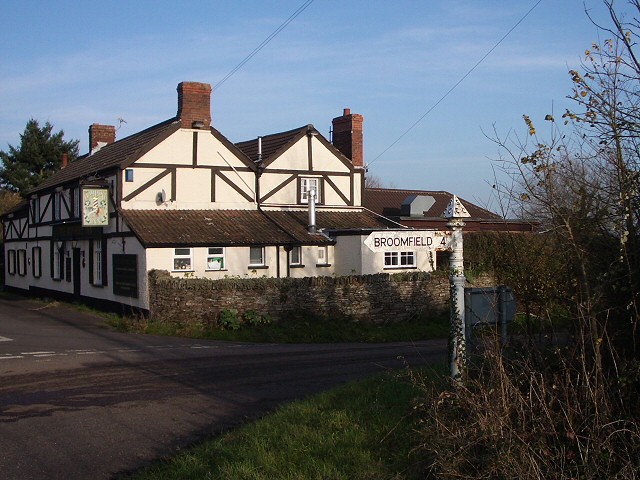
(161, 197)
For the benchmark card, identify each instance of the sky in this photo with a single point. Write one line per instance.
(74, 63)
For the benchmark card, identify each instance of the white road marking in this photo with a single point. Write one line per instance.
(88, 351)
(6, 339)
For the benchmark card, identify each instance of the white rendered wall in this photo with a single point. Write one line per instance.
(193, 182)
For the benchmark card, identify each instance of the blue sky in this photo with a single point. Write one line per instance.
(77, 63)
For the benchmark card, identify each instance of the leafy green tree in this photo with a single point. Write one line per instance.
(38, 156)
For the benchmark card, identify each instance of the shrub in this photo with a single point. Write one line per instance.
(229, 319)
(251, 317)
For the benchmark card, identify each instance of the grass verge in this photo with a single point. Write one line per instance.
(297, 330)
(362, 430)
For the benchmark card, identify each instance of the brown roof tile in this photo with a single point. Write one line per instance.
(272, 145)
(157, 228)
(296, 220)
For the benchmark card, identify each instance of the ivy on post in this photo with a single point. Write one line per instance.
(456, 213)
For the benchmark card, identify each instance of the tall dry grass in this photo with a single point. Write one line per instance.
(533, 412)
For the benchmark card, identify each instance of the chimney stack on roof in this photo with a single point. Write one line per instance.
(194, 104)
(65, 160)
(99, 136)
(347, 136)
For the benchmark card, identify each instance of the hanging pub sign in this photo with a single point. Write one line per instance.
(95, 206)
(393, 240)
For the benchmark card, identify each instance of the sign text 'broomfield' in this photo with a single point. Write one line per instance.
(390, 241)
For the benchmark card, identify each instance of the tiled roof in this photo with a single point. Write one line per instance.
(329, 220)
(272, 145)
(123, 153)
(113, 155)
(158, 228)
(387, 202)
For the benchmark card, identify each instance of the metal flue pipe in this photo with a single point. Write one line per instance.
(311, 196)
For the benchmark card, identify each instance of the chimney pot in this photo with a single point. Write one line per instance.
(347, 136)
(194, 104)
(99, 136)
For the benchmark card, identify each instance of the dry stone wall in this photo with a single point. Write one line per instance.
(368, 298)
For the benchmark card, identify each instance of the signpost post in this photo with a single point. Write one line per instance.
(456, 213)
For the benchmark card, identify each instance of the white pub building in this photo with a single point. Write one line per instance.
(181, 197)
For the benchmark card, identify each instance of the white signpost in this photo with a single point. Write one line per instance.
(400, 240)
(456, 213)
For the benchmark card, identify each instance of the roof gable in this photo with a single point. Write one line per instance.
(234, 149)
(123, 153)
(115, 155)
(274, 145)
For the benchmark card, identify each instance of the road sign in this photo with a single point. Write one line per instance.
(403, 240)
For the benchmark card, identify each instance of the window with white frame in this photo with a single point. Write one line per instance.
(307, 184)
(11, 262)
(22, 262)
(36, 262)
(323, 255)
(97, 263)
(182, 259)
(256, 256)
(399, 259)
(58, 260)
(128, 175)
(296, 256)
(215, 258)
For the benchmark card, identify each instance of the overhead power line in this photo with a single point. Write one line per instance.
(469, 72)
(282, 26)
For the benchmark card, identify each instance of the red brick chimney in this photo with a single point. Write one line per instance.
(65, 160)
(347, 136)
(194, 104)
(99, 136)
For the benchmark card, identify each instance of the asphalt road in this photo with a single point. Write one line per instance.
(80, 401)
